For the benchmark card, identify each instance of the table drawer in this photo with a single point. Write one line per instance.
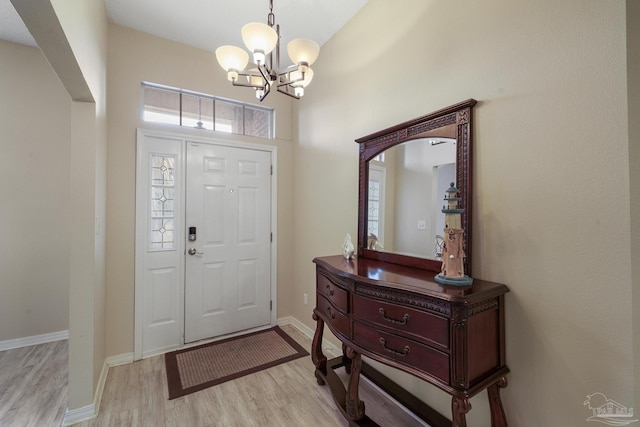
(339, 321)
(424, 326)
(403, 350)
(334, 293)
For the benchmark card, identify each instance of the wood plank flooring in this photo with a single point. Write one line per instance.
(136, 395)
(33, 385)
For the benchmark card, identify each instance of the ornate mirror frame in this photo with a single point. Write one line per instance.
(371, 145)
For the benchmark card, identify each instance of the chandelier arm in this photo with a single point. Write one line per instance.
(287, 82)
(267, 89)
(236, 83)
(264, 72)
(248, 75)
(286, 92)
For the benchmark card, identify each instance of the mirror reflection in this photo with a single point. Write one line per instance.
(406, 186)
(404, 171)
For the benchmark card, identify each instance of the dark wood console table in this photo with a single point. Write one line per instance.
(451, 337)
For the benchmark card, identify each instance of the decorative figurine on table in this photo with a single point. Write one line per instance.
(347, 247)
(453, 248)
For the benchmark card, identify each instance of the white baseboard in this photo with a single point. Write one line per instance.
(34, 340)
(89, 412)
(75, 416)
(118, 360)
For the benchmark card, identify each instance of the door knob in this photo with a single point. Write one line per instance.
(193, 251)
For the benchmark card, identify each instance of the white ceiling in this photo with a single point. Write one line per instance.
(207, 24)
(11, 26)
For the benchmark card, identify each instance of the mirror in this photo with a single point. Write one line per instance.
(404, 172)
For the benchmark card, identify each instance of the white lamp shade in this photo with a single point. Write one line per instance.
(232, 58)
(308, 76)
(303, 50)
(259, 37)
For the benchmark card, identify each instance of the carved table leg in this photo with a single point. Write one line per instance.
(353, 404)
(317, 356)
(345, 359)
(498, 419)
(460, 406)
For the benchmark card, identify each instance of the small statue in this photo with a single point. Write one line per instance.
(373, 243)
(347, 247)
(453, 247)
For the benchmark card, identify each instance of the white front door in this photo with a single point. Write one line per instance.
(227, 265)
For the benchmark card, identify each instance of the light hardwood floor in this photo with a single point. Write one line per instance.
(136, 395)
(33, 385)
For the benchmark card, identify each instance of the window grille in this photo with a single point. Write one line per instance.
(201, 111)
(162, 197)
(374, 207)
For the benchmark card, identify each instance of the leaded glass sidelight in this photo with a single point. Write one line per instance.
(374, 207)
(162, 203)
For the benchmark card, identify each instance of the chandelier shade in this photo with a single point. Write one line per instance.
(263, 42)
(259, 37)
(303, 50)
(232, 59)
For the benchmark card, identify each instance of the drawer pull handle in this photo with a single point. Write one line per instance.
(332, 315)
(404, 320)
(405, 351)
(328, 291)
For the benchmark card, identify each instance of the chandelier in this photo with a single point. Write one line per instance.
(263, 41)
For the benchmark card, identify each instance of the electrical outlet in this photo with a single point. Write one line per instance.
(306, 299)
(422, 225)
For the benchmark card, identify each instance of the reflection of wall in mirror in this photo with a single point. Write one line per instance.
(421, 179)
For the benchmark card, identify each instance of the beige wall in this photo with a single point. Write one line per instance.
(633, 97)
(551, 212)
(135, 57)
(72, 37)
(72, 34)
(34, 189)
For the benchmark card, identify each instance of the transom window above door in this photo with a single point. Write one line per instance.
(180, 107)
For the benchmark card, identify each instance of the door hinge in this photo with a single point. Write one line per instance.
(271, 169)
(271, 305)
(271, 237)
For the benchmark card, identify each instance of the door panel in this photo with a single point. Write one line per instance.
(228, 279)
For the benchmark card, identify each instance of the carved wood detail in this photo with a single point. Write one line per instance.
(431, 304)
(460, 406)
(431, 124)
(479, 307)
(459, 339)
(354, 406)
(498, 418)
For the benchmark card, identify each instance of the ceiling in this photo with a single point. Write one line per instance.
(207, 24)
(11, 26)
